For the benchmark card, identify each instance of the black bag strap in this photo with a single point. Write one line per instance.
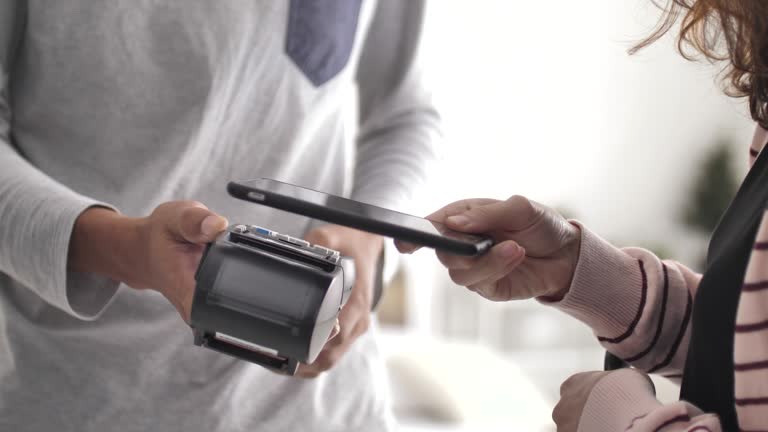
(612, 362)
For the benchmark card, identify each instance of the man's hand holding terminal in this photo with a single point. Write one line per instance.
(160, 251)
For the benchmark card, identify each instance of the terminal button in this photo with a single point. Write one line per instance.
(298, 242)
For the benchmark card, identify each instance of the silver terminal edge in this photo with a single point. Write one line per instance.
(321, 250)
(286, 241)
(299, 242)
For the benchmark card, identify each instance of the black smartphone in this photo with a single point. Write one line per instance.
(355, 214)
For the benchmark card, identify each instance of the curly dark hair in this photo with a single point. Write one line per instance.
(732, 31)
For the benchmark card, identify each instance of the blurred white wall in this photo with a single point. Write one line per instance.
(540, 98)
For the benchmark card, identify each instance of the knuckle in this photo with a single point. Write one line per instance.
(165, 206)
(518, 200)
(184, 208)
(164, 209)
(520, 203)
(194, 203)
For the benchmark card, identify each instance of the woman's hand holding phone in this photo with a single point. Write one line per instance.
(535, 254)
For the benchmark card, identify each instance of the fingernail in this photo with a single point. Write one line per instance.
(511, 250)
(211, 225)
(458, 220)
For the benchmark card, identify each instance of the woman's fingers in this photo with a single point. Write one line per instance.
(438, 219)
(459, 207)
(515, 214)
(406, 247)
(491, 282)
(494, 264)
(457, 262)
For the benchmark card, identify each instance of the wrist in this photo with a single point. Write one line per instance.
(105, 242)
(368, 258)
(569, 259)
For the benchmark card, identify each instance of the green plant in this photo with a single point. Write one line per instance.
(713, 189)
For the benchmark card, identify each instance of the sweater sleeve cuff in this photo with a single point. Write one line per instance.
(81, 295)
(618, 399)
(604, 292)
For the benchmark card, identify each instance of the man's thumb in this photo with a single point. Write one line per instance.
(200, 225)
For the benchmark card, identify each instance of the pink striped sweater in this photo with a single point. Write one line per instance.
(640, 308)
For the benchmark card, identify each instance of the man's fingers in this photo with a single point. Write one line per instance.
(328, 357)
(516, 213)
(325, 361)
(341, 336)
(306, 371)
(364, 248)
(320, 238)
(342, 333)
(493, 264)
(336, 347)
(198, 225)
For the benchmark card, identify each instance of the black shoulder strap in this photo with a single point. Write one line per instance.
(612, 362)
